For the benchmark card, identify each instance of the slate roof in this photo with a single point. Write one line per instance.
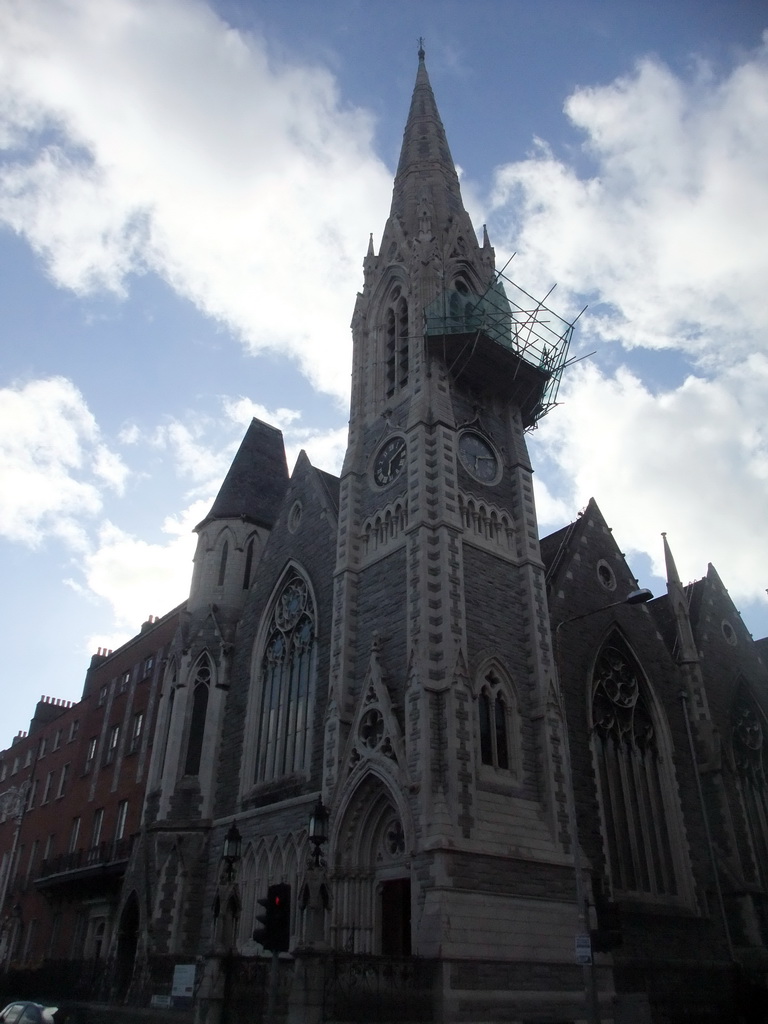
(257, 480)
(332, 485)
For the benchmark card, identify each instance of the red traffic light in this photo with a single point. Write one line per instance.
(275, 931)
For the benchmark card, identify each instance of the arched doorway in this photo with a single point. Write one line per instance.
(372, 898)
(127, 942)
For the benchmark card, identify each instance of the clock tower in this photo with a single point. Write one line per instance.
(443, 756)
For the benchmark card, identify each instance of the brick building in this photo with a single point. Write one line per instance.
(72, 791)
(518, 764)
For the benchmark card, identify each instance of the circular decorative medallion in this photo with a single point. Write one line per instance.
(478, 457)
(390, 461)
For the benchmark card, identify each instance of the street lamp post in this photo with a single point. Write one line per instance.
(216, 984)
(640, 596)
(307, 1001)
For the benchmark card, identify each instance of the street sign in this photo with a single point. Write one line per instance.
(583, 949)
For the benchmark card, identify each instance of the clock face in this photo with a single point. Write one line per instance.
(478, 458)
(389, 462)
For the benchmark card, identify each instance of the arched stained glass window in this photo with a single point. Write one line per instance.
(631, 775)
(749, 755)
(200, 691)
(287, 671)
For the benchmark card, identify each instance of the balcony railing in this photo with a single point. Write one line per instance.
(109, 854)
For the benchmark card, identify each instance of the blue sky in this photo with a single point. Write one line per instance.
(186, 194)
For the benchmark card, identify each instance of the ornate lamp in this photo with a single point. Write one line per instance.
(318, 828)
(233, 843)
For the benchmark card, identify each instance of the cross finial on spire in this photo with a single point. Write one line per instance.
(421, 48)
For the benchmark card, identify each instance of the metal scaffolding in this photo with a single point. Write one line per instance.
(509, 317)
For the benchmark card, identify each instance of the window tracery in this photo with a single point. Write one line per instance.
(631, 775)
(287, 669)
(200, 692)
(749, 756)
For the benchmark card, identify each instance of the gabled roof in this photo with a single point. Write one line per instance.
(255, 485)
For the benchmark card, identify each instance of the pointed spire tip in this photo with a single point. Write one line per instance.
(421, 49)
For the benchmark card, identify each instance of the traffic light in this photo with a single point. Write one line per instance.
(275, 931)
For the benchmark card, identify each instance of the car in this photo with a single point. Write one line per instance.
(23, 1012)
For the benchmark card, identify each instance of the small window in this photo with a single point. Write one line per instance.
(57, 739)
(32, 858)
(113, 740)
(42, 748)
(15, 766)
(149, 664)
(3, 771)
(124, 683)
(136, 730)
(728, 632)
(98, 823)
(102, 696)
(63, 780)
(294, 517)
(28, 758)
(91, 753)
(74, 835)
(48, 787)
(122, 814)
(31, 795)
(73, 729)
(606, 575)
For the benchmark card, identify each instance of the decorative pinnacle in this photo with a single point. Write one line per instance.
(421, 48)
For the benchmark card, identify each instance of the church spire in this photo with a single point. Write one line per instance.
(426, 174)
(688, 653)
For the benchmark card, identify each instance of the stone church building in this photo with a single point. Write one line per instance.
(516, 762)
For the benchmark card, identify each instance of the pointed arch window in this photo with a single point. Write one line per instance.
(223, 563)
(248, 564)
(287, 675)
(396, 326)
(497, 720)
(632, 776)
(200, 692)
(171, 681)
(749, 751)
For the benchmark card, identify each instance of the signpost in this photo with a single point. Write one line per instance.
(583, 949)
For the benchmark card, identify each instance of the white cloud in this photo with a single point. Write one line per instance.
(52, 463)
(137, 578)
(158, 137)
(669, 229)
(665, 238)
(325, 448)
(692, 461)
(243, 410)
